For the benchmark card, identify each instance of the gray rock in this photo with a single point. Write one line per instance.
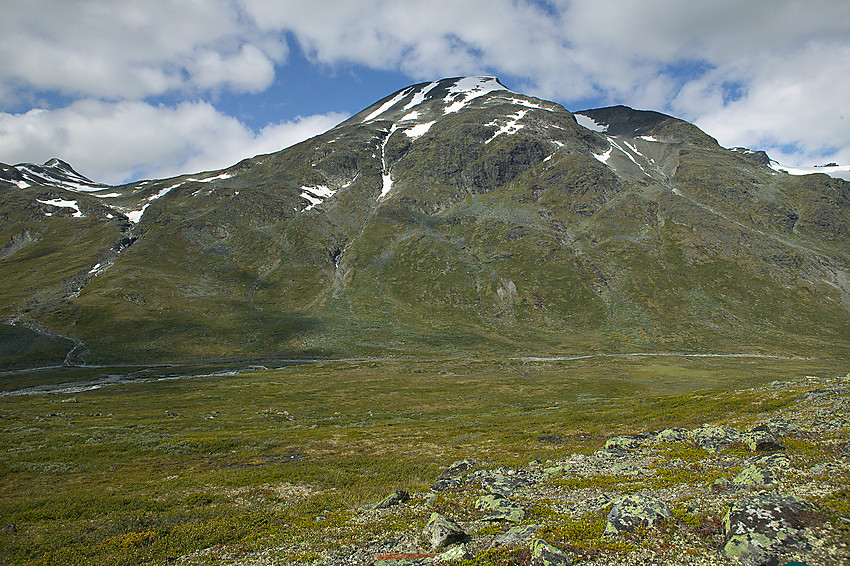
(515, 535)
(459, 552)
(762, 471)
(457, 469)
(672, 435)
(501, 484)
(623, 443)
(713, 438)
(633, 511)
(450, 478)
(762, 441)
(440, 531)
(760, 526)
(544, 554)
(391, 500)
(499, 508)
(754, 476)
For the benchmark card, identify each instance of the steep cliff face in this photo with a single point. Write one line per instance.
(451, 216)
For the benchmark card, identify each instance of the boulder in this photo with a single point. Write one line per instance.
(762, 441)
(459, 552)
(633, 511)
(391, 500)
(515, 535)
(499, 508)
(713, 438)
(450, 478)
(440, 531)
(502, 484)
(761, 526)
(672, 435)
(544, 554)
(623, 443)
(762, 471)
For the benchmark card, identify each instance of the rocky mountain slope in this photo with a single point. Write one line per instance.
(451, 216)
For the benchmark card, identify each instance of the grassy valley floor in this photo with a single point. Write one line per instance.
(273, 466)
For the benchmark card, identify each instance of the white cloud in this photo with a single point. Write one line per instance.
(249, 70)
(117, 142)
(131, 49)
(765, 73)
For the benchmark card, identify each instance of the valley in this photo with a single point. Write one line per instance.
(517, 315)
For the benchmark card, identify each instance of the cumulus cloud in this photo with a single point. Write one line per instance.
(118, 142)
(769, 73)
(763, 73)
(131, 49)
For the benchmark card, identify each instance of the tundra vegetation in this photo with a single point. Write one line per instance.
(275, 465)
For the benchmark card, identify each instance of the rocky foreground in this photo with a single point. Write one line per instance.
(770, 489)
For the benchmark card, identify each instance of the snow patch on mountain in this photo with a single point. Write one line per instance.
(211, 179)
(316, 195)
(604, 157)
(419, 97)
(135, 216)
(386, 179)
(511, 127)
(467, 89)
(590, 123)
(419, 130)
(520, 102)
(626, 153)
(387, 105)
(61, 203)
(53, 173)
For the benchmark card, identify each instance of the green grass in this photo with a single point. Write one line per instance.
(137, 473)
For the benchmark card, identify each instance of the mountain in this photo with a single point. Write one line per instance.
(451, 217)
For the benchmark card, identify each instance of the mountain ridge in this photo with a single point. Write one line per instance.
(451, 215)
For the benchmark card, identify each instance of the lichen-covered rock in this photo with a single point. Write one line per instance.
(458, 468)
(713, 438)
(762, 471)
(544, 554)
(440, 531)
(760, 526)
(391, 500)
(753, 476)
(623, 443)
(450, 477)
(672, 435)
(502, 484)
(515, 535)
(633, 511)
(459, 552)
(499, 508)
(761, 441)
(554, 471)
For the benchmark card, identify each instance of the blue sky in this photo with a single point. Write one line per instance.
(152, 88)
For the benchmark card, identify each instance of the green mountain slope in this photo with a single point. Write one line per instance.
(451, 217)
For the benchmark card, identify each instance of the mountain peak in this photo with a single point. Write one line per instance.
(441, 97)
(52, 173)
